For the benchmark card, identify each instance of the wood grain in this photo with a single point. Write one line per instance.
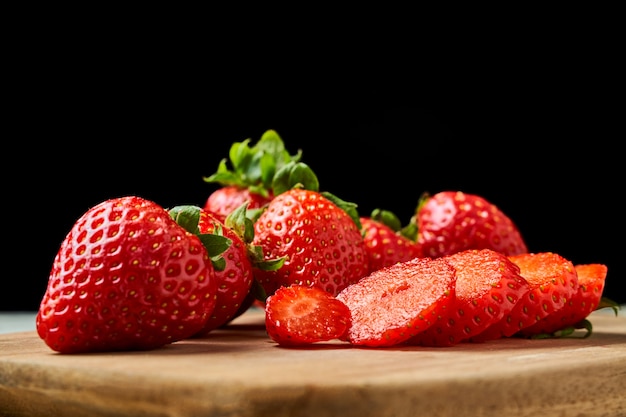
(239, 371)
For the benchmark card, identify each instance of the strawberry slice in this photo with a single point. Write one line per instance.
(395, 303)
(300, 315)
(488, 285)
(552, 281)
(591, 279)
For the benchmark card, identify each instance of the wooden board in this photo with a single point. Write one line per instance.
(240, 372)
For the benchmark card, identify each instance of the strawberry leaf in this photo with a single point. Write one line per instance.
(568, 331)
(348, 207)
(388, 218)
(187, 216)
(238, 221)
(295, 174)
(253, 167)
(608, 303)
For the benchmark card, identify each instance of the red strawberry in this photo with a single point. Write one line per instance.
(384, 243)
(552, 281)
(249, 176)
(321, 243)
(224, 200)
(488, 285)
(126, 277)
(300, 315)
(395, 303)
(452, 221)
(233, 268)
(591, 279)
(234, 280)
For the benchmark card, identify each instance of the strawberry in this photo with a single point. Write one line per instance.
(452, 221)
(126, 277)
(224, 200)
(488, 286)
(320, 243)
(591, 279)
(395, 303)
(234, 278)
(233, 269)
(249, 176)
(300, 315)
(384, 243)
(552, 281)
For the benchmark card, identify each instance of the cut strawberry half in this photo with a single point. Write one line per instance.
(300, 315)
(395, 303)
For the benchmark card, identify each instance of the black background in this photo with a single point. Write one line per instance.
(553, 166)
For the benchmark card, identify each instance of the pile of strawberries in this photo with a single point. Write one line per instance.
(132, 275)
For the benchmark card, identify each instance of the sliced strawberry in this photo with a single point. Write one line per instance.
(552, 281)
(591, 279)
(299, 315)
(395, 303)
(488, 285)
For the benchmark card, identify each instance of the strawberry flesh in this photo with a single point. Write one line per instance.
(299, 315)
(395, 303)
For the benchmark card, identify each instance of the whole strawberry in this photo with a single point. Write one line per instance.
(234, 277)
(126, 277)
(452, 221)
(321, 244)
(384, 243)
(233, 267)
(226, 199)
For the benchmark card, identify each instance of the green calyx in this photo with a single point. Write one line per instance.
(410, 231)
(188, 216)
(239, 221)
(584, 324)
(387, 218)
(254, 167)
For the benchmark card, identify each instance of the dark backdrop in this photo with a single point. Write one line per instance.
(554, 168)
